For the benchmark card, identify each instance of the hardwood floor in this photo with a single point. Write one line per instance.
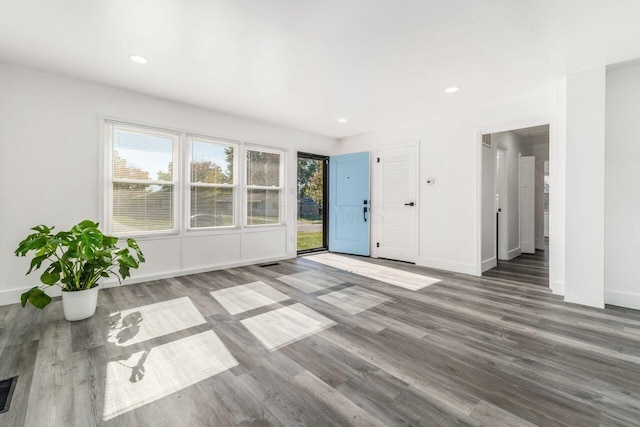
(526, 268)
(488, 351)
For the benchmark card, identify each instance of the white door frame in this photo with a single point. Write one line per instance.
(376, 191)
(502, 243)
(504, 127)
(530, 215)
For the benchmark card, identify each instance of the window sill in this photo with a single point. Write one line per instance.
(211, 231)
(152, 236)
(264, 227)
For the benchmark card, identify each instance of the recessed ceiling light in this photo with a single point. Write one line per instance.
(452, 89)
(139, 59)
(342, 120)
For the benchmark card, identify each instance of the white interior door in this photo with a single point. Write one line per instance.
(527, 204)
(396, 208)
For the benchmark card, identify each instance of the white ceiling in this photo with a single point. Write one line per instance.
(305, 63)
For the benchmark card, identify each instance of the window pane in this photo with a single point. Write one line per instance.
(263, 207)
(138, 207)
(310, 233)
(211, 207)
(263, 168)
(211, 163)
(138, 155)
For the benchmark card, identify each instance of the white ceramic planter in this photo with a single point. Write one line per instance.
(79, 305)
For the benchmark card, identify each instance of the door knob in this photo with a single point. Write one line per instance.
(409, 204)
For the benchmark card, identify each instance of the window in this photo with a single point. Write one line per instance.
(161, 181)
(264, 186)
(212, 179)
(143, 187)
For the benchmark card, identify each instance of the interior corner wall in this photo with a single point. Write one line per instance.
(622, 174)
(515, 147)
(541, 153)
(489, 259)
(49, 141)
(585, 177)
(557, 196)
(449, 235)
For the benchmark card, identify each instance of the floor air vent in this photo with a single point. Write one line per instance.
(270, 265)
(6, 391)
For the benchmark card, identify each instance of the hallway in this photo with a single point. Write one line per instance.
(532, 269)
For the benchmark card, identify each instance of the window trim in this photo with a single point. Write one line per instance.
(110, 180)
(181, 181)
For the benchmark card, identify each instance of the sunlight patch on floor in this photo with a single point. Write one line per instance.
(278, 328)
(310, 281)
(392, 276)
(239, 299)
(149, 375)
(139, 324)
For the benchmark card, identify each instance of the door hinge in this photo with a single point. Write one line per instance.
(378, 159)
(377, 244)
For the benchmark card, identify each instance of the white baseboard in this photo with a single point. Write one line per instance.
(622, 299)
(440, 264)
(557, 288)
(12, 296)
(514, 253)
(488, 264)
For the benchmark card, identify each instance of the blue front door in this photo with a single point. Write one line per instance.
(349, 203)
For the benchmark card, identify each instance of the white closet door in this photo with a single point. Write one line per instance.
(396, 205)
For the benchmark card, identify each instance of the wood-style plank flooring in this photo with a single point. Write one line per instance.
(526, 268)
(492, 351)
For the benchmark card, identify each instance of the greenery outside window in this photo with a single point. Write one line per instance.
(170, 182)
(212, 180)
(264, 187)
(143, 181)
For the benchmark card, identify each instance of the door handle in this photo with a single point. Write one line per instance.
(409, 204)
(364, 213)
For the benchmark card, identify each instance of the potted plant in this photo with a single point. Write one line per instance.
(75, 260)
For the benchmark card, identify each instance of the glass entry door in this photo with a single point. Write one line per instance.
(312, 202)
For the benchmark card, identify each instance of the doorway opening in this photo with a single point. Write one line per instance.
(515, 205)
(312, 190)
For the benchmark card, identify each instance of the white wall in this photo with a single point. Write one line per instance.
(557, 197)
(451, 152)
(622, 175)
(541, 152)
(49, 143)
(585, 175)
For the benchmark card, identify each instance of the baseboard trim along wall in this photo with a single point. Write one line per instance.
(557, 288)
(514, 253)
(622, 299)
(455, 267)
(488, 264)
(12, 296)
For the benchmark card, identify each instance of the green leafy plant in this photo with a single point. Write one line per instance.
(76, 259)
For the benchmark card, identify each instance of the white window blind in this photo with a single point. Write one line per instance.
(212, 180)
(264, 187)
(143, 180)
